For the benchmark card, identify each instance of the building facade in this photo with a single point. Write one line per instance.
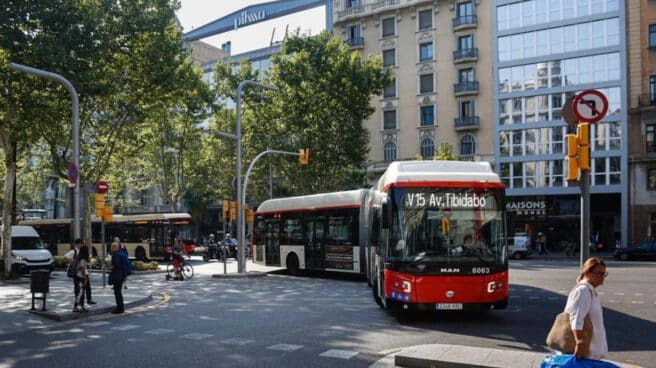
(641, 62)
(440, 55)
(544, 52)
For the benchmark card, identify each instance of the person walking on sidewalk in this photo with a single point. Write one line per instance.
(82, 278)
(70, 256)
(122, 249)
(116, 278)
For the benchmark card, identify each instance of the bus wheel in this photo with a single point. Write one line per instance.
(140, 254)
(292, 264)
(376, 295)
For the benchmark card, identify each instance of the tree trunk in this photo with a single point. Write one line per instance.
(8, 145)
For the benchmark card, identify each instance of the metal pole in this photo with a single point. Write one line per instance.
(76, 133)
(585, 215)
(104, 248)
(240, 204)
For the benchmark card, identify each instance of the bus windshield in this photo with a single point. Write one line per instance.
(447, 225)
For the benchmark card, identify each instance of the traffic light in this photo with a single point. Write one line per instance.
(578, 151)
(445, 225)
(583, 133)
(304, 156)
(572, 157)
(233, 209)
(99, 204)
(225, 210)
(108, 214)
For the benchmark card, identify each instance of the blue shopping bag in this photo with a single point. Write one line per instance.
(569, 361)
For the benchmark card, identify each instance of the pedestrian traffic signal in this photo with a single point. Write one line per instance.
(445, 225)
(303, 156)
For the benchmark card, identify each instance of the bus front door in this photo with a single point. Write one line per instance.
(314, 246)
(272, 243)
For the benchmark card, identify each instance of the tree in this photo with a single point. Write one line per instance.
(324, 93)
(445, 152)
(127, 62)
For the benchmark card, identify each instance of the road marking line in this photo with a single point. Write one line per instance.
(637, 302)
(196, 336)
(340, 354)
(159, 331)
(96, 324)
(125, 327)
(237, 341)
(285, 347)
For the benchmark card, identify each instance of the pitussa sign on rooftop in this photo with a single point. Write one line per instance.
(245, 18)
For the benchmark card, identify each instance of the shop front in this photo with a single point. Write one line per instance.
(557, 219)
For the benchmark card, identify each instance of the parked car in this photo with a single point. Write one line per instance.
(645, 250)
(518, 247)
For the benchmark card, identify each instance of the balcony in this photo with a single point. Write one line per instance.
(647, 100)
(464, 22)
(465, 88)
(470, 54)
(355, 42)
(466, 123)
(360, 8)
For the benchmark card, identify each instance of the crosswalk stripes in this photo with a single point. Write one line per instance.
(159, 331)
(285, 347)
(237, 341)
(125, 327)
(340, 354)
(196, 336)
(96, 324)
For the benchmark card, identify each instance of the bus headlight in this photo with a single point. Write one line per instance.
(18, 258)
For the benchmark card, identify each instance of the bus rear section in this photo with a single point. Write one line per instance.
(440, 242)
(320, 232)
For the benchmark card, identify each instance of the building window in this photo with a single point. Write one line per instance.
(354, 38)
(465, 9)
(426, 51)
(466, 75)
(466, 108)
(352, 3)
(652, 89)
(427, 114)
(389, 151)
(426, 83)
(389, 58)
(388, 27)
(390, 91)
(465, 42)
(651, 179)
(425, 19)
(389, 119)
(650, 137)
(427, 149)
(467, 145)
(652, 35)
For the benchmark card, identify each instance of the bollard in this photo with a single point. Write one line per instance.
(39, 283)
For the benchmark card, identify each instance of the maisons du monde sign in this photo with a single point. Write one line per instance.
(527, 208)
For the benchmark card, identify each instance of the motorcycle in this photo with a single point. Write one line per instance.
(214, 251)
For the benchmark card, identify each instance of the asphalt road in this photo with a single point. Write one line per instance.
(283, 321)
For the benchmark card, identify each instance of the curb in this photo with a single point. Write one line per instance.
(61, 317)
(243, 275)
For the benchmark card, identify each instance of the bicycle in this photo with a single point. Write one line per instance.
(185, 269)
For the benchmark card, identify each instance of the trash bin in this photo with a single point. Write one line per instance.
(39, 283)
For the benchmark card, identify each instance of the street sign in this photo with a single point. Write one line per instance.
(101, 187)
(568, 112)
(590, 106)
(72, 172)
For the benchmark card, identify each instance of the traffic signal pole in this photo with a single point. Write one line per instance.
(585, 214)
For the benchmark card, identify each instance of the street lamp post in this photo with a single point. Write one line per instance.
(76, 133)
(240, 204)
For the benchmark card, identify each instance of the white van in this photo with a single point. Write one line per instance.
(518, 246)
(28, 252)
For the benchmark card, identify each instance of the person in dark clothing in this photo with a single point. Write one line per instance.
(82, 278)
(70, 257)
(117, 277)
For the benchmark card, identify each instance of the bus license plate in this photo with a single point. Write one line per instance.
(448, 306)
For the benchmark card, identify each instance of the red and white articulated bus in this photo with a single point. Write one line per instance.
(430, 236)
(438, 237)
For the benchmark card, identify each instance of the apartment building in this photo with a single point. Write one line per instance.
(641, 61)
(544, 52)
(440, 55)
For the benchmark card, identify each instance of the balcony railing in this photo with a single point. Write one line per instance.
(464, 21)
(647, 100)
(466, 122)
(465, 88)
(355, 42)
(465, 54)
(365, 8)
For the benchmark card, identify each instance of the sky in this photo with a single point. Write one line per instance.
(195, 13)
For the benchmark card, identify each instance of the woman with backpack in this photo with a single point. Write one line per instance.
(82, 278)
